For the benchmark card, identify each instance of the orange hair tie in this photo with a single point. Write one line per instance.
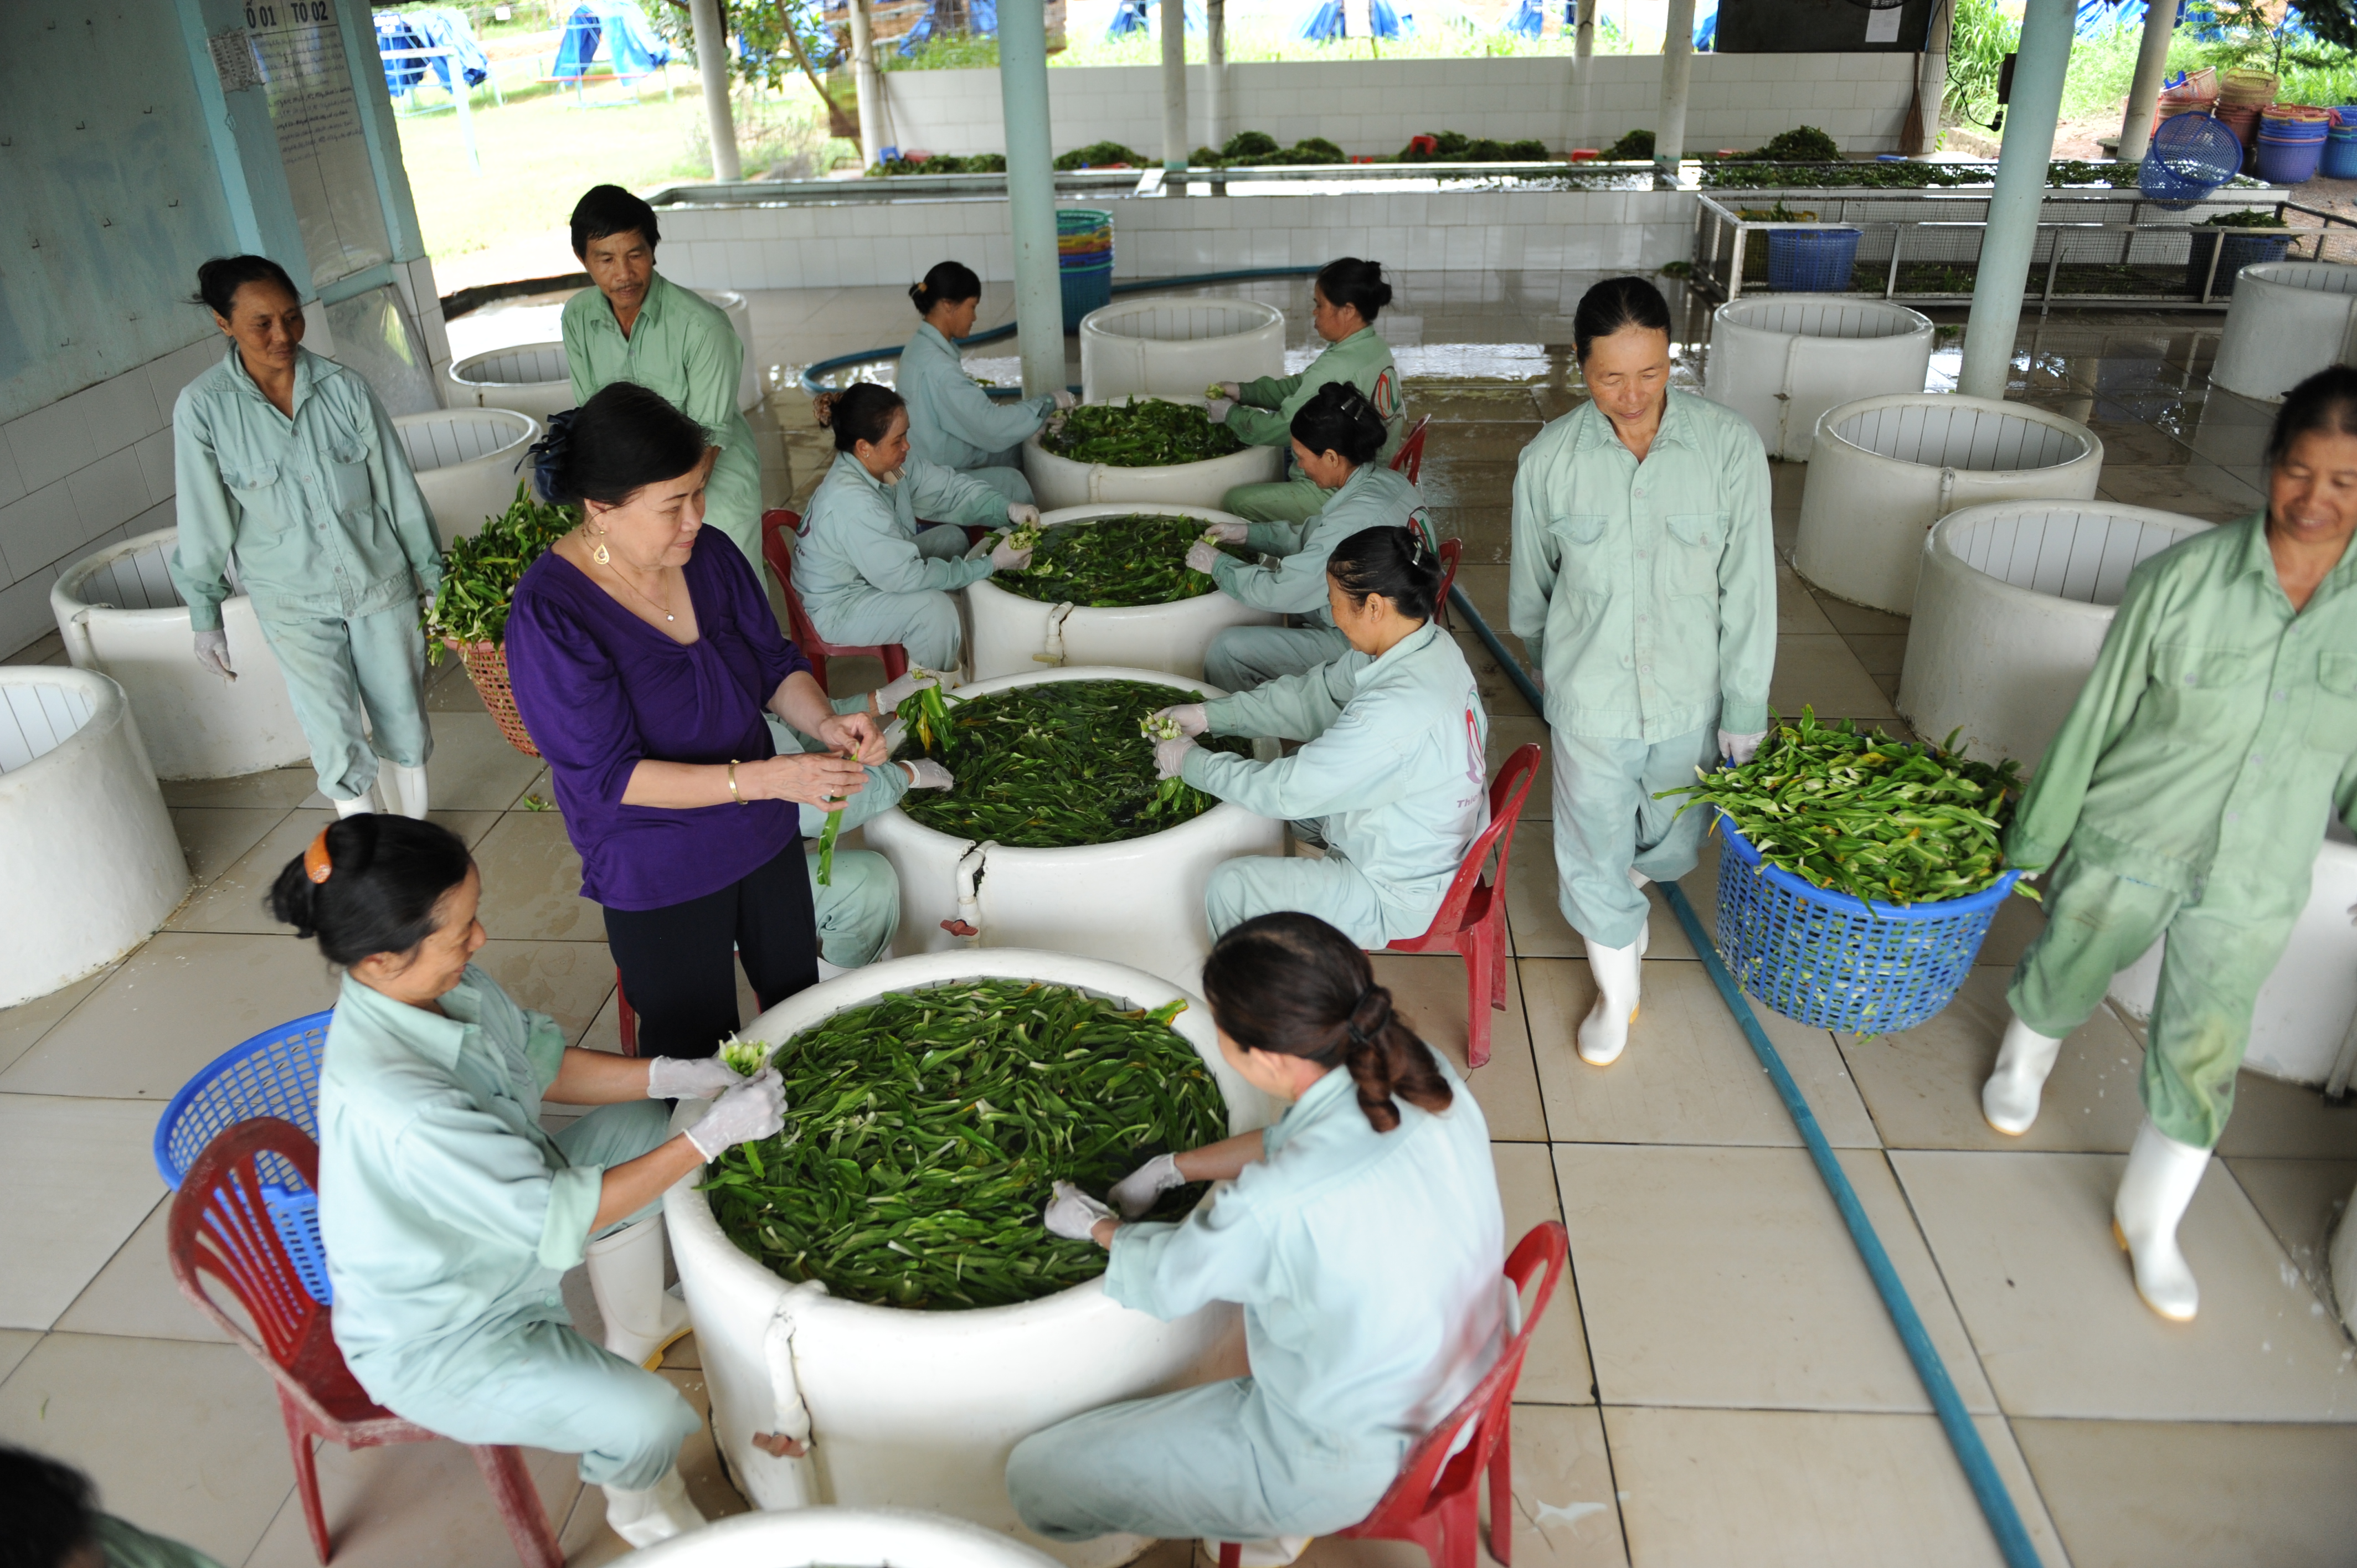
(316, 863)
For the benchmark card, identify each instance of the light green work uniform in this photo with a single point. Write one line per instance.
(449, 1218)
(866, 576)
(1367, 1267)
(1390, 778)
(859, 910)
(1646, 594)
(954, 423)
(1244, 656)
(2187, 794)
(1264, 417)
(323, 522)
(121, 1544)
(682, 347)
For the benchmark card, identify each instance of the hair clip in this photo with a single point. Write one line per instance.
(315, 862)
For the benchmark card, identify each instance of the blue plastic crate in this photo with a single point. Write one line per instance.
(276, 1073)
(1837, 961)
(1811, 261)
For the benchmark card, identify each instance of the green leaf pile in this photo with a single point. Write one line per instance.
(1148, 434)
(479, 575)
(1113, 562)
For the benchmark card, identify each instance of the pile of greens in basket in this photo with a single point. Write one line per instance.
(927, 1128)
(1456, 147)
(1258, 149)
(1859, 812)
(1054, 765)
(1135, 433)
(479, 574)
(1114, 563)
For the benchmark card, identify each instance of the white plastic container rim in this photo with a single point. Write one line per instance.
(522, 376)
(1782, 359)
(2081, 570)
(842, 1538)
(1061, 482)
(49, 717)
(1814, 315)
(1163, 345)
(2287, 320)
(1950, 431)
(467, 461)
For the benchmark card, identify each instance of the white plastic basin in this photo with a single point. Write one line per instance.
(1782, 359)
(1017, 636)
(1884, 469)
(741, 317)
(467, 461)
(1177, 346)
(921, 1409)
(1138, 902)
(529, 378)
(842, 1538)
(2288, 321)
(1060, 482)
(121, 615)
(2011, 608)
(87, 850)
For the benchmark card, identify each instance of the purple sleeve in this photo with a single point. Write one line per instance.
(571, 701)
(748, 607)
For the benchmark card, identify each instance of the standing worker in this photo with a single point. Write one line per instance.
(288, 468)
(1336, 437)
(953, 422)
(638, 326)
(2185, 795)
(1348, 294)
(1363, 1238)
(1644, 589)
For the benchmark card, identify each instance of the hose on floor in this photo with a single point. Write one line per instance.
(1980, 1471)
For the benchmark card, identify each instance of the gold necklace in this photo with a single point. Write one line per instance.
(605, 558)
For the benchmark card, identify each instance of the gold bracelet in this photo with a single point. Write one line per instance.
(732, 782)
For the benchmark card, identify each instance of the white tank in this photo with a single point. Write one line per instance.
(1782, 359)
(87, 850)
(1060, 482)
(1137, 902)
(469, 462)
(121, 615)
(531, 378)
(2287, 321)
(2009, 613)
(1018, 636)
(1167, 345)
(842, 1538)
(1884, 469)
(909, 1409)
(741, 317)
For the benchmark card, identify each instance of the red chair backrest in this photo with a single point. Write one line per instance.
(1507, 792)
(781, 557)
(1409, 460)
(1451, 551)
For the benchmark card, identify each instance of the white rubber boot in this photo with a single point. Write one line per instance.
(359, 805)
(2158, 1183)
(2009, 1098)
(1604, 1033)
(659, 1512)
(626, 1273)
(407, 791)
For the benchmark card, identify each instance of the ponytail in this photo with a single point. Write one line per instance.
(1393, 561)
(370, 884)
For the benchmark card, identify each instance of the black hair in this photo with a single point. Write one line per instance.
(1393, 561)
(2326, 401)
(1347, 280)
(1337, 418)
(1289, 982)
(860, 412)
(948, 282)
(218, 280)
(623, 439)
(49, 1508)
(385, 876)
(606, 209)
(1612, 305)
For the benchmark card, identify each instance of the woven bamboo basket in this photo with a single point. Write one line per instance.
(487, 666)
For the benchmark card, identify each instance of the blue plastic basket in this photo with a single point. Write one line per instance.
(2191, 155)
(276, 1073)
(1085, 289)
(1838, 962)
(1811, 261)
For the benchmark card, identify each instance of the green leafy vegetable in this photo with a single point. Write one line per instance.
(925, 713)
(744, 1058)
(1138, 435)
(479, 575)
(832, 831)
(1114, 563)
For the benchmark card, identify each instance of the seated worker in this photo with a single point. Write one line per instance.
(953, 422)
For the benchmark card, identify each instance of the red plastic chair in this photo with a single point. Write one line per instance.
(1409, 460)
(781, 557)
(221, 1226)
(1472, 918)
(626, 1018)
(1436, 1503)
(1451, 551)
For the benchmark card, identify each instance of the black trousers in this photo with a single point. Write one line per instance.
(678, 962)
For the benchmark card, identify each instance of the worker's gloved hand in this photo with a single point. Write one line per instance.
(1739, 750)
(1136, 1192)
(1003, 557)
(892, 693)
(213, 652)
(1064, 398)
(755, 1108)
(689, 1077)
(1190, 717)
(1073, 1213)
(1228, 533)
(1233, 391)
(1170, 756)
(1022, 514)
(1216, 410)
(1201, 556)
(924, 773)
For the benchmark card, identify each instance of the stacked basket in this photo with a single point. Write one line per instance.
(1083, 261)
(2339, 160)
(2193, 93)
(2291, 141)
(2242, 95)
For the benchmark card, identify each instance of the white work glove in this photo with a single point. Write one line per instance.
(1233, 391)
(755, 1108)
(1136, 1192)
(1022, 514)
(1201, 556)
(689, 1077)
(1191, 718)
(1228, 533)
(213, 652)
(892, 693)
(1739, 750)
(1073, 1213)
(1170, 756)
(1216, 410)
(1064, 398)
(924, 773)
(1005, 558)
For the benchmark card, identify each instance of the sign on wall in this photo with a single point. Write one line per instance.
(1823, 27)
(296, 50)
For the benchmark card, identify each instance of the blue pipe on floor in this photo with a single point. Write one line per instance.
(811, 383)
(1980, 1471)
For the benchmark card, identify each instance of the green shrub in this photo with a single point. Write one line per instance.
(1635, 146)
(1101, 155)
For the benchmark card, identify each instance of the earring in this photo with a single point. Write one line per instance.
(599, 552)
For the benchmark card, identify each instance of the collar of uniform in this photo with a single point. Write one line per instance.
(439, 1038)
(1595, 426)
(849, 463)
(2256, 559)
(307, 374)
(1316, 1103)
(1362, 332)
(649, 308)
(926, 330)
(1408, 647)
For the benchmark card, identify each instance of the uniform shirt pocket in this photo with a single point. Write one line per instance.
(1690, 566)
(2332, 726)
(346, 462)
(2203, 690)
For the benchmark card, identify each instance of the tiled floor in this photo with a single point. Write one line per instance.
(1716, 1384)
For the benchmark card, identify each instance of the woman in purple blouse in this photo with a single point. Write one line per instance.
(642, 652)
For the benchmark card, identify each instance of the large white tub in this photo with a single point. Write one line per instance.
(842, 1538)
(2288, 321)
(87, 851)
(121, 615)
(1138, 902)
(1884, 469)
(1169, 347)
(469, 462)
(1017, 636)
(919, 1410)
(741, 317)
(1060, 482)
(531, 378)
(1782, 359)
(2012, 607)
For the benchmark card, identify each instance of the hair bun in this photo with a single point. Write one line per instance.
(823, 404)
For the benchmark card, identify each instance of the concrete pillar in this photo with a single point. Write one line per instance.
(1930, 82)
(2012, 237)
(712, 65)
(1215, 71)
(1031, 193)
(1677, 69)
(868, 85)
(1583, 67)
(2143, 93)
(1174, 84)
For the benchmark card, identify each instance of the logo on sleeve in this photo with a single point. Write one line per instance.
(1386, 398)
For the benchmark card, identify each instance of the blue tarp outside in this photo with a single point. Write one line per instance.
(1130, 16)
(1327, 21)
(982, 22)
(1530, 20)
(430, 30)
(631, 45)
